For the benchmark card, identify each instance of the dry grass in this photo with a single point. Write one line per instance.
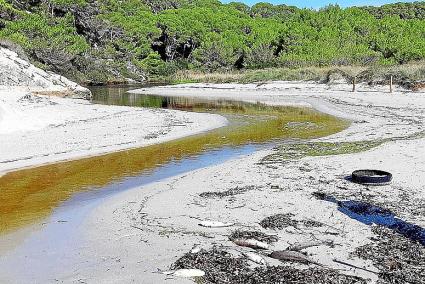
(414, 72)
(60, 94)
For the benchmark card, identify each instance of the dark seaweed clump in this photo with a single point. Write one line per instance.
(288, 275)
(399, 259)
(230, 192)
(259, 236)
(278, 221)
(219, 266)
(364, 208)
(222, 267)
(312, 223)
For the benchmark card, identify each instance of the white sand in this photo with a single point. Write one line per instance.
(129, 236)
(36, 130)
(39, 129)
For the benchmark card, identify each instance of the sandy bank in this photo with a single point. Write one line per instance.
(39, 129)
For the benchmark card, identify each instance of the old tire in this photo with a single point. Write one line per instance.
(371, 177)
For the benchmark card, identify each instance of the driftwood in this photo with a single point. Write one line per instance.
(353, 266)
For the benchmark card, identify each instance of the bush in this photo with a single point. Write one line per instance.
(155, 66)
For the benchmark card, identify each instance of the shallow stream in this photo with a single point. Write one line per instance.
(29, 196)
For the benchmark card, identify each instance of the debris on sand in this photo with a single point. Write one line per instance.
(279, 221)
(399, 259)
(288, 275)
(222, 267)
(195, 249)
(251, 243)
(258, 259)
(259, 236)
(312, 223)
(219, 266)
(289, 255)
(215, 224)
(230, 192)
(186, 273)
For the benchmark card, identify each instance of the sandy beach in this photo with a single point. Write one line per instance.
(38, 129)
(128, 237)
(212, 142)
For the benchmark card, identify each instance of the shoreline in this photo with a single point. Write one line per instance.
(332, 99)
(71, 119)
(132, 234)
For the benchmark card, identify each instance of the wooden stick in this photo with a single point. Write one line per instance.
(135, 227)
(353, 266)
(391, 83)
(354, 84)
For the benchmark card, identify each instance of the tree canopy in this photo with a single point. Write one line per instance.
(164, 35)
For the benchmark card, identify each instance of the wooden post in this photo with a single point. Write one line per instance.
(354, 84)
(391, 83)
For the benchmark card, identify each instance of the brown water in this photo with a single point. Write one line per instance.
(29, 196)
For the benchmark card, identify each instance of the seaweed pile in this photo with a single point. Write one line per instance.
(222, 267)
(230, 192)
(259, 236)
(399, 259)
(312, 223)
(278, 221)
(219, 266)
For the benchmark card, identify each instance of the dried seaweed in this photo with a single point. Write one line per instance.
(288, 275)
(278, 221)
(222, 267)
(230, 192)
(399, 259)
(312, 223)
(219, 266)
(259, 236)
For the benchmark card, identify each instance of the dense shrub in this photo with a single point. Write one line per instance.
(165, 35)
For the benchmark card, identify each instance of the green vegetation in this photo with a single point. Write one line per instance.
(100, 40)
(297, 150)
(287, 152)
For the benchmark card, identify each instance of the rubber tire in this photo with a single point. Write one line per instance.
(371, 177)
